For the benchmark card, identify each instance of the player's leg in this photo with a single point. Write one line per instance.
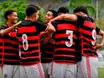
(49, 69)
(70, 71)
(45, 69)
(82, 67)
(58, 70)
(10, 71)
(34, 71)
(94, 67)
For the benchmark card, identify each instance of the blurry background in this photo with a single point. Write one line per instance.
(95, 8)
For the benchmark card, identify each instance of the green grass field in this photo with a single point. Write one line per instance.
(100, 73)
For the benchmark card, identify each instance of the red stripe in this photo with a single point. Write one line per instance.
(30, 52)
(89, 40)
(85, 31)
(9, 54)
(31, 45)
(88, 67)
(11, 60)
(65, 62)
(65, 49)
(89, 24)
(62, 42)
(64, 35)
(27, 29)
(30, 38)
(29, 63)
(40, 70)
(1, 40)
(10, 48)
(63, 55)
(32, 57)
(1, 47)
(66, 27)
(10, 41)
(12, 34)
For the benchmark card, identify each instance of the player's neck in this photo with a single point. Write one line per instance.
(9, 23)
(29, 18)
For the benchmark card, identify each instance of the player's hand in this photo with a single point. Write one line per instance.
(15, 25)
(98, 46)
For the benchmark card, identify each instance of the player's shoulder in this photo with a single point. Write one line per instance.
(26, 23)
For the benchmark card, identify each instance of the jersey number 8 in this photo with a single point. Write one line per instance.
(25, 42)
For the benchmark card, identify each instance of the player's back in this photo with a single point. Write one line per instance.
(87, 28)
(29, 42)
(67, 49)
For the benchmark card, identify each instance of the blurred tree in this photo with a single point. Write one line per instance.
(88, 3)
(18, 6)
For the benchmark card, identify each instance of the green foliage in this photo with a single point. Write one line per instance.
(100, 23)
(18, 6)
(88, 3)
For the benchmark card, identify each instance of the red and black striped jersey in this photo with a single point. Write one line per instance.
(10, 48)
(88, 36)
(29, 41)
(1, 51)
(67, 49)
(47, 51)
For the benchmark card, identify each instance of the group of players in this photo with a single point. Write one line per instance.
(63, 47)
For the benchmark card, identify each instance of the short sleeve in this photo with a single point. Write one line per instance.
(80, 20)
(39, 26)
(97, 30)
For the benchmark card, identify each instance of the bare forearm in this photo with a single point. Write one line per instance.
(6, 31)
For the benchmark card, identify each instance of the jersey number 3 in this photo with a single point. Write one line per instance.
(70, 37)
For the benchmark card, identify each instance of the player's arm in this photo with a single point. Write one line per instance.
(71, 17)
(6, 31)
(101, 33)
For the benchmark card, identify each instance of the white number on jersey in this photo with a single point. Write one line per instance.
(70, 37)
(25, 42)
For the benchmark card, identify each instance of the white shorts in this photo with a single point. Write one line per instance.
(10, 71)
(34, 71)
(87, 68)
(14, 71)
(47, 69)
(63, 70)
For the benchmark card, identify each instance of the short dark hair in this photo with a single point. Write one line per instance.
(63, 10)
(34, 6)
(81, 9)
(31, 10)
(54, 12)
(7, 13)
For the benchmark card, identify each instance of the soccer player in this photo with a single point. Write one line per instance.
(29, 41)
(83, 67)
(48, 48)
(67, 52)
(10, 54)
(87, 30)
(62, 10)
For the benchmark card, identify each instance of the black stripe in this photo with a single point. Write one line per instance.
(11, 57)
(65, 58)
(28, 34)
(64, 31)
(67, 53)
(30, 42)
(30, 55)
(31, 48)
(30, 60)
